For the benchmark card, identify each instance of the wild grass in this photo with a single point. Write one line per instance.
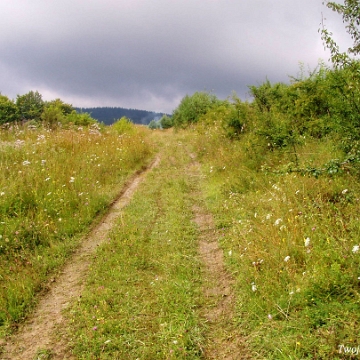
(291, 242)
(53, 184)
(143, 294)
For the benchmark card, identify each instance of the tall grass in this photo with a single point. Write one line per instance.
(52, 186)
(291, 242)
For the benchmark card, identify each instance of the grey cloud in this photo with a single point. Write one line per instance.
(148, 54)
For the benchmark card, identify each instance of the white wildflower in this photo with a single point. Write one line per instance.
(287, 258)
(307, 242)
(344, 191)
(26, 162)
(355, 249)
(72, 179)
(277, 222)
(43, 162)
(19, 143)
(2, 193)
(230, 253)
(253, 287)
(47, 179)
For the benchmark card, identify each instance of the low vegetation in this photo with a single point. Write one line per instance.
(52, 186)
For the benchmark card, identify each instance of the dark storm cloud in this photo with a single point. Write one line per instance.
(148, 54)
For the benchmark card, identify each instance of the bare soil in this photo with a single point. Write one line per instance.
(39, 334)
(222, 342)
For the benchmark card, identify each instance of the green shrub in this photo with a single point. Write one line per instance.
(123, 126)
(192, 107)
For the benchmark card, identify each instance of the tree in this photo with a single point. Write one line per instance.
(192, 107)
(350, 12)
(8, 110)
(30, 106)
(65, 108)
(347, 68)
(166, 122)
(154, 124)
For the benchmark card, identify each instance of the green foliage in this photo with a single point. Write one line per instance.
(350, 12)
(154, 124)
(123, 126)
(30, 106)
(8, 110)
(52, 116)
(66, 109)
(192, 107)
(80, 119)
(166, 122)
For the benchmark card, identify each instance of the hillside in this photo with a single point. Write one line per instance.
(108, 115)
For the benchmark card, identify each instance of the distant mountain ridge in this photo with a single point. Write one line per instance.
(108, 115)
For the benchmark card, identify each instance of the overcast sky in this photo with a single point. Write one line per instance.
(148, 54)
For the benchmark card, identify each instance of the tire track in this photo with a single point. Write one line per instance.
(38, 333)
(218, 285)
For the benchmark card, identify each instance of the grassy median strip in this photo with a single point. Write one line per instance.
(144, 290)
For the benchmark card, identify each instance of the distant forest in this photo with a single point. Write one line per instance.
(108, 115)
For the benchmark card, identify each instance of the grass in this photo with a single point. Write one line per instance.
(143, 293)
(290, 241)
(53, 184)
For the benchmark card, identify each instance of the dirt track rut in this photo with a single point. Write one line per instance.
(38, 333)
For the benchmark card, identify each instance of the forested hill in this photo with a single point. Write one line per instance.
(108, 115)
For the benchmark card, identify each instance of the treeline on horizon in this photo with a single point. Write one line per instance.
(30, 108)
(108, 115)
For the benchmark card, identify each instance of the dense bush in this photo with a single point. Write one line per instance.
(192, 107)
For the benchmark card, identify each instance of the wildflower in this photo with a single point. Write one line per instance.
(230, 253)
(47, 179)
(72, 179)
(344, 191)
(307, 242)
(2, 193)
(287, 258)
(253, 287)
(269, 316)
(268, 216)
(355, 249)
(277, 222)
(26, 162)
(43, 162)
(95, 328)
